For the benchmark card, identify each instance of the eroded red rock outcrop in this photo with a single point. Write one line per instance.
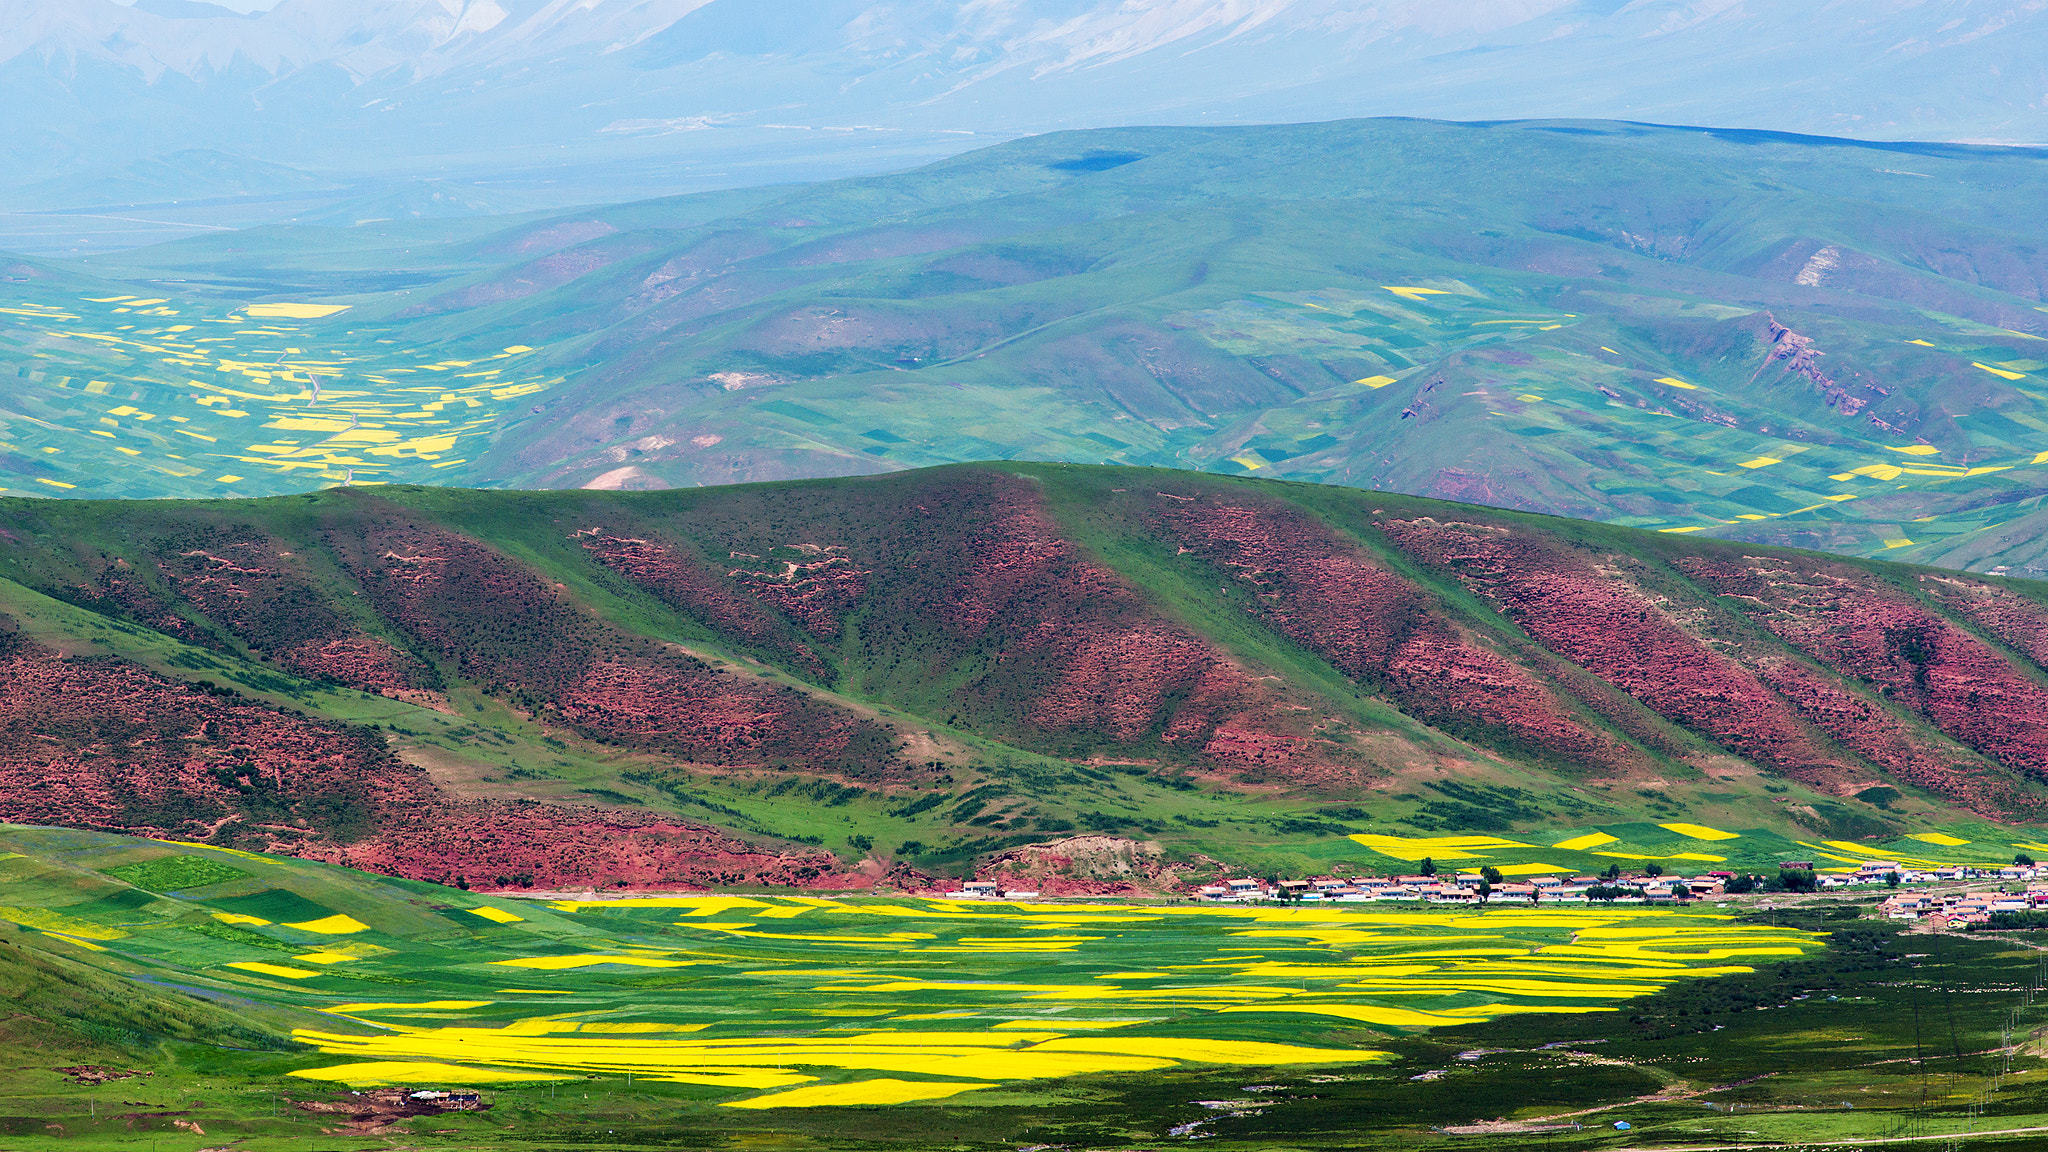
(1876, 632)
(1088, 655)
(2022, 624)
(101, 743)
(252, 586)
(1958, 775)
(1095, 866)
(1606, 623)
(1381, 629)
(714, 717)
(814, 584)
(685, 583)
(526, 641)
(542, 846)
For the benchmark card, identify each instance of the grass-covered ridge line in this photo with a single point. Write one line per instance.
(884, 678)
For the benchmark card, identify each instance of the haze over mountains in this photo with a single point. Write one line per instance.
(530, 103)
(1794, 340)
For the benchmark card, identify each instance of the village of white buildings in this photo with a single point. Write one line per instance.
(1914, 894)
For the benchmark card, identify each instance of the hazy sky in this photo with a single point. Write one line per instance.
(236, 5)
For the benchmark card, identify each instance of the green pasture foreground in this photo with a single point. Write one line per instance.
(250, 985)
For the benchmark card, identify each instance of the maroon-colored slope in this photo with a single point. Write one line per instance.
(101, 743)
(1607, 623)
(527, 641)
(1090, 657)
(1875, 632)
(671, 573)
(253, 587)
(1380, 628)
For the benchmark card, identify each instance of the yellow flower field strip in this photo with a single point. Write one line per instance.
(45, 920)
(587, 960)
(698, 905)
(1063, 1024)
(1438, 847)
(497, 915)
(408, 1072)
(290, 311)
(882, 1090)
(1533, 982)
(335, 925)
(1452, 982)
(667, 1059)
(1700, 832)
(1941, 839)
(627, 1027)
(942, 910)
(1863, 852)
(397, 1006)
(1700, 857)
(1009, 1056)
(883, 938)
(1595, 965)
(1223, 993)
(273, 969)
(1389, 1016)
(1415, 954)
(80, 941)
(1280, 970)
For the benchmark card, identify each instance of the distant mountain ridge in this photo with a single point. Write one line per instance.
(1795, 340)
(506, 85)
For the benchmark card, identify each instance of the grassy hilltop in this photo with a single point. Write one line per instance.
(859, 682)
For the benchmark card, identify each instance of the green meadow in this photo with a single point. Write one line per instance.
(248, 986)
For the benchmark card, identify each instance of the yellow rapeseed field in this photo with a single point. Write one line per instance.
(976, 993)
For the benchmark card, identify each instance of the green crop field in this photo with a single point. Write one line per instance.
(141, 397)
(758, 1019)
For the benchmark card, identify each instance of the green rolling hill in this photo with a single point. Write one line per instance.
(1783, 339)
(876, 682)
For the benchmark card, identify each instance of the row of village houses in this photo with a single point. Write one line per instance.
(1962, 909)
(1466, 887)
